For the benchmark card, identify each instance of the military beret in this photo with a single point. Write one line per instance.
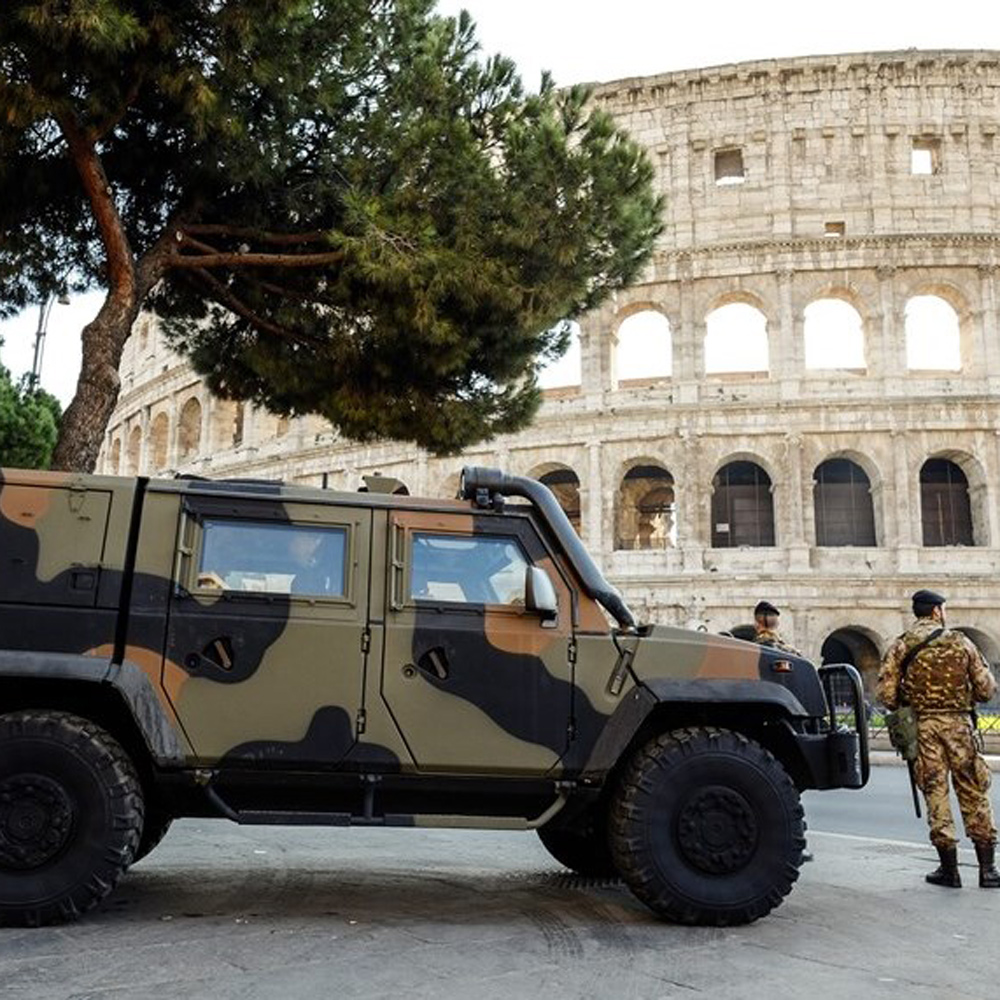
(927, 598)
(765, 608)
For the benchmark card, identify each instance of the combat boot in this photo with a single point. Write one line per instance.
(947, 872)
(989, 877)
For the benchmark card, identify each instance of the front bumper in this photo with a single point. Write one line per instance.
(838, 756)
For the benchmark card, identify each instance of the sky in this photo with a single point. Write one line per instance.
(590, 41)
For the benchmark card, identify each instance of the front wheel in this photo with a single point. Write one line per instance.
(707, 828)
(71, 815)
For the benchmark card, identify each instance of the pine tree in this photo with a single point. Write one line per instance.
(336, 206)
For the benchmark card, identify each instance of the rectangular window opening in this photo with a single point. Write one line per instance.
(835, 229)
(925, 156)
(729, 166)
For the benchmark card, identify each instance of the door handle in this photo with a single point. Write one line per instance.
(434, 662)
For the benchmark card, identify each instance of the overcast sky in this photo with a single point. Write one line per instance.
(584, 40)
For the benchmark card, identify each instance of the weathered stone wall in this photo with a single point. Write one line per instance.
(827, 207)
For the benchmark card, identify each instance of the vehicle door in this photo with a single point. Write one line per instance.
(474, 680)
(267, 623)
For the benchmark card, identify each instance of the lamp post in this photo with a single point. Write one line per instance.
(43, 322)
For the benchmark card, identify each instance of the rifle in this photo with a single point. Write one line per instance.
(913, 788)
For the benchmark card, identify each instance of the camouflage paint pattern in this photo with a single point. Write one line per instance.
(372, 681)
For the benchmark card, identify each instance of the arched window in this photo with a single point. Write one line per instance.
(281, 427)
(933, 338)
(945, 510)
(858, 647)
(644, 348)
(742, 508)
(646, 509)
(834, 335)
(736, 339)
(159, 437)
(189, 429)
(564, 371)
(843, 504)
(115, 461)
(134, 453)
(565, 484)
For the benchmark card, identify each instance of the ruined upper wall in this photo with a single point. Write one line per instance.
(825, 143)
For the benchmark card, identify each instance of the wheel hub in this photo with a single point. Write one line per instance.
(36, 818)
(717, 830)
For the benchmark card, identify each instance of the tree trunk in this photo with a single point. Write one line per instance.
(81, 430)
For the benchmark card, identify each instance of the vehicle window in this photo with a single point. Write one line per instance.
(471, 570)
(250, 556)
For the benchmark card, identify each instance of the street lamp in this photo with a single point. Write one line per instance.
(43, 322)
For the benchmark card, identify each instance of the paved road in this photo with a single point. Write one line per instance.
(244, 913)
(883, 809)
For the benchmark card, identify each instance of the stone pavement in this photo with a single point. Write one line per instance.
(253, 913)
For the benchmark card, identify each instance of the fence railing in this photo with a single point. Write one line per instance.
(989, 727)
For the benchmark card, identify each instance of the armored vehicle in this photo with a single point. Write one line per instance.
(284, 655)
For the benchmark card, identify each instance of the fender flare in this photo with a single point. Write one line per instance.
(637, 705)
(128, 680)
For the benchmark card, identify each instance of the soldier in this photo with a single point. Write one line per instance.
(944, 678)
(765, 623)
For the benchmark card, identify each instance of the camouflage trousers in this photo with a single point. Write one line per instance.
(945, 746)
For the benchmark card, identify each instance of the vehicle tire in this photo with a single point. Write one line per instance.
(583, 847)
(154, 828)
(706, 827)
(71, 815)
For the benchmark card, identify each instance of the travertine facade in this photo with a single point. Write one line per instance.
(871, 180)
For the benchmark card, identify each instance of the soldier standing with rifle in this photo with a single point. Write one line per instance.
(942, 675)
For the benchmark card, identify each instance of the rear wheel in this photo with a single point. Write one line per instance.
(583, 847)
(707, 828)
(71, 815)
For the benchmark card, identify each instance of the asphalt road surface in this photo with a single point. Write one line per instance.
(255, 913)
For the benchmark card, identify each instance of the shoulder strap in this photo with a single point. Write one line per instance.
(908, 659)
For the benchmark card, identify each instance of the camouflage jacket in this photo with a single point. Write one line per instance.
(772, 637)
(949, 675)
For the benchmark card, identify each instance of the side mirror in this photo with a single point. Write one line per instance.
(540, 596)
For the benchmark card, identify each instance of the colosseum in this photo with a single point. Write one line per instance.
(799, 401)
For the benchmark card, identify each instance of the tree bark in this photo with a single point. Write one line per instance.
(81, 430)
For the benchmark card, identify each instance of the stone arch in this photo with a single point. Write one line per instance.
(643, 346)
(449, 486)
(742, 505)
(189, 429)
(736, 336)
(844, 511)
(565, 485)
(115, 458)
(159, 440)
(833, 333)
(133, 454)
(281, 426)
(953, 500)
(932, 328)
(859, 646)
(645, 507)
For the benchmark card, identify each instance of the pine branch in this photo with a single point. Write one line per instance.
(226, 297)
(260, 235)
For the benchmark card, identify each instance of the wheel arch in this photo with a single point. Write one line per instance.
(767, 719)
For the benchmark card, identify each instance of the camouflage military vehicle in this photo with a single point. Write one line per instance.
(282, 655)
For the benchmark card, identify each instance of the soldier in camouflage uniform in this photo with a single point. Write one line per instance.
(942, 683)
(765, 623)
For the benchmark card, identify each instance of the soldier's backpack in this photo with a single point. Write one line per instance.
(901, 724)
